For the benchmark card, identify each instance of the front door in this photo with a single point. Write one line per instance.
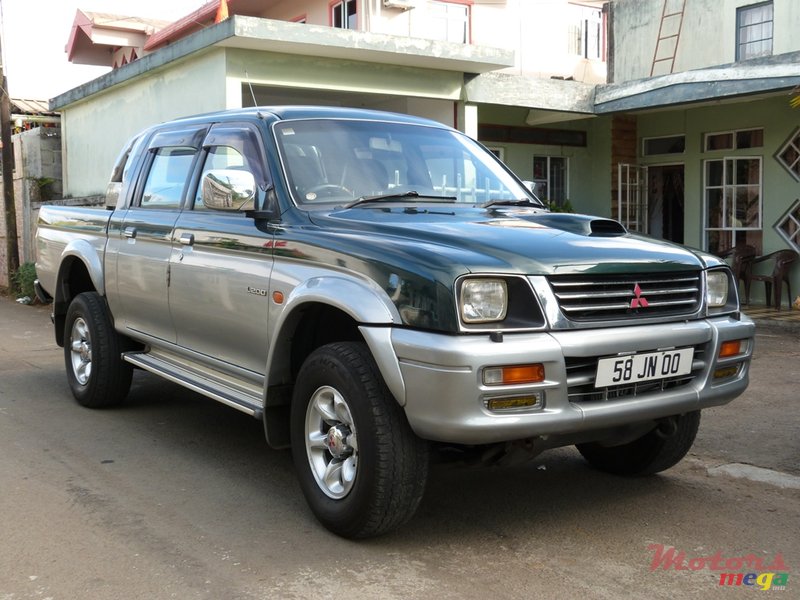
(221, 263)
(665, 202)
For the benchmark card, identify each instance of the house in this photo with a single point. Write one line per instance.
(707, 86)
(670, 115)
(426, 58)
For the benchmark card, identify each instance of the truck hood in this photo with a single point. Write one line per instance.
(525, 240)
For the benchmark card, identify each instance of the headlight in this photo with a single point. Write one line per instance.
(716, 289)
(483, 300)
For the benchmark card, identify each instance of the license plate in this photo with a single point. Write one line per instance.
(649, 366)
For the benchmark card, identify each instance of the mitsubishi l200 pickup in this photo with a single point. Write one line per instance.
(374, 287)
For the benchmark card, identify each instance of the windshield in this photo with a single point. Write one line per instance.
(329, 161)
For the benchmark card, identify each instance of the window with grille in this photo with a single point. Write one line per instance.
(788, 226)
(789, 154)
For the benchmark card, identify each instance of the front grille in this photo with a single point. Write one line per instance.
(612, 297)
(581, 372)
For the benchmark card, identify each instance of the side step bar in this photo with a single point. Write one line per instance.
(244, 397)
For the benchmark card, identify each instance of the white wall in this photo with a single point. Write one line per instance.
(536, 29)
(94, 131)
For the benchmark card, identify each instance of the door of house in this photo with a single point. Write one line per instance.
(632, 197)
(665, 194)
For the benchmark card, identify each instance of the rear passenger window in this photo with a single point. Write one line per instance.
(167, 177)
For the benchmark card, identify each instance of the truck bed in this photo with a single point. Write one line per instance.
(61, 229)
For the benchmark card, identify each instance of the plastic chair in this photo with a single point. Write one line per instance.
(780, 274)
(743, 257)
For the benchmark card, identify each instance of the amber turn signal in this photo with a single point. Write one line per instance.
(731, 348)
(513, 375)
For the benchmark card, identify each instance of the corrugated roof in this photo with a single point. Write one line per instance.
(31, 107)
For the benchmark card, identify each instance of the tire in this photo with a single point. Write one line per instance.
(360, 466)
(96, 373)
(652, 453)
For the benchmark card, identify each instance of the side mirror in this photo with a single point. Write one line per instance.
(229, 190)
(534, 189)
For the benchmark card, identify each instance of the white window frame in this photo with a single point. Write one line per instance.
(663, 137)
(455, 16)
(726, 187)
(740, 12)
(733, 133)
(585, 32)
(548, 179)
(632, 197)
(344, 17)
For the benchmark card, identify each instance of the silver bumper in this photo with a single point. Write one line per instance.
(444, 395)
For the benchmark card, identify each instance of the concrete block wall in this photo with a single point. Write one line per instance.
(37, 157)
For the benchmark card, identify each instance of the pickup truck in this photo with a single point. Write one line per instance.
(379, 289)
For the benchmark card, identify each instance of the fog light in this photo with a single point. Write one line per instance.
(513, 403)
(731, 348)
(726, 372)
(513, 375)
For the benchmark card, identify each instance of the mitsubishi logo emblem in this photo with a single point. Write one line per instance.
(638, 301)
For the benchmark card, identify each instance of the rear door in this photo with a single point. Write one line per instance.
(221, 262)
(142, 240)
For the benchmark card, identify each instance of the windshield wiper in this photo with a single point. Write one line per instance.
(516, 202)
(398, 196)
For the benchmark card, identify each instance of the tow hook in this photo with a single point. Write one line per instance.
(667, 427)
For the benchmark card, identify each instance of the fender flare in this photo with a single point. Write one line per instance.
(362, 300)
(83, 251)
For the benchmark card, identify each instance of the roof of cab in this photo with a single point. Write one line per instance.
(281, 113)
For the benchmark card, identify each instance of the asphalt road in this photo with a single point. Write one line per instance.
(174, 496)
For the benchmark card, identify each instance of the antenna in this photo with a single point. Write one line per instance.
(250, 85)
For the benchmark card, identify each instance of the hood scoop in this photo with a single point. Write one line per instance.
(580, 224)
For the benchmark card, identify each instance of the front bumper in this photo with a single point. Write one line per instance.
(444, 396)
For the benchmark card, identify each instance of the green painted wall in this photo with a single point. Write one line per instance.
(589, 168)
(780, 189)
(269, 68)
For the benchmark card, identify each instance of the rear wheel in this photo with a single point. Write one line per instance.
(361, 468)
(657, 450)
(96, 373)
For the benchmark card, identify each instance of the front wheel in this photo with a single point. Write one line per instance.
(96, 373)
(657, 450)
(361, 468)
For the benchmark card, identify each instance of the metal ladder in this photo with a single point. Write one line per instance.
(669, 36)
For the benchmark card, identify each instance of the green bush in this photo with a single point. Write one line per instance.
(23, 280)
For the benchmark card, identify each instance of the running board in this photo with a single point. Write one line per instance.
(245, 397)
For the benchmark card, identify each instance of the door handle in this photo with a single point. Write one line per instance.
(129, 232)
(187, 239)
